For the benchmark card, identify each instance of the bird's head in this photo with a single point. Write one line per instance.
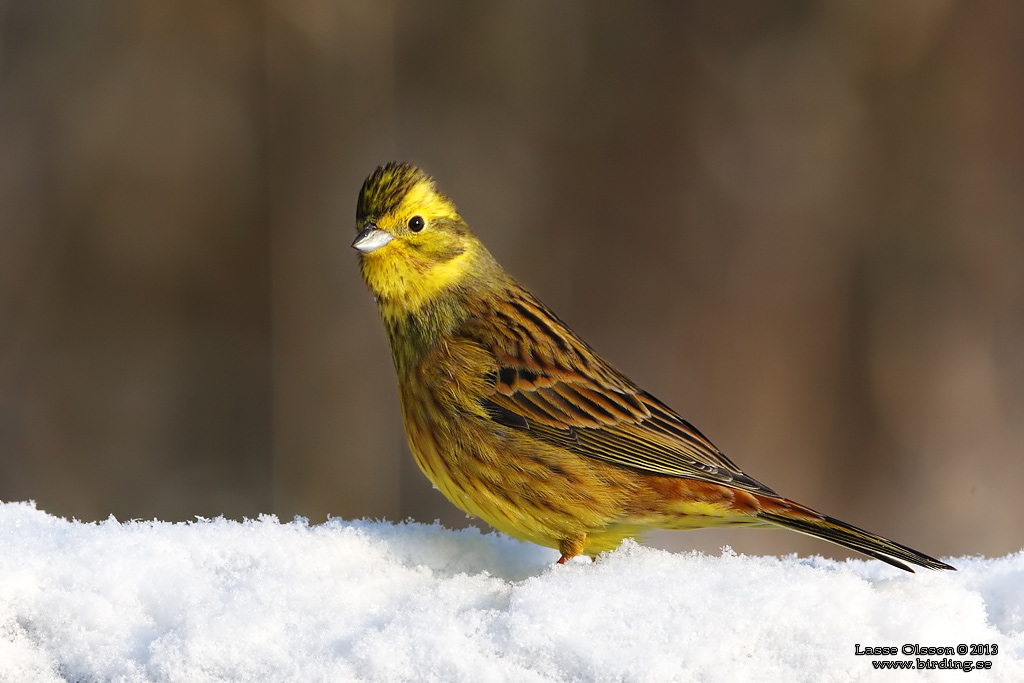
(413, 245)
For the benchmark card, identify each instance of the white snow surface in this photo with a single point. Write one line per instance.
(258, 600)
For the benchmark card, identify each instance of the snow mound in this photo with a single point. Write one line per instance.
(219, 600)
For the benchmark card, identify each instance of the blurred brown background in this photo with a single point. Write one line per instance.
(798, 223)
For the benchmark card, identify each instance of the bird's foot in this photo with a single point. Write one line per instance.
(571, 547)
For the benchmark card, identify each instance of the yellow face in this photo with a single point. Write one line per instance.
(413, 244)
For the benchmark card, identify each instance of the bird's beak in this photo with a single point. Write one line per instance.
(371, 239)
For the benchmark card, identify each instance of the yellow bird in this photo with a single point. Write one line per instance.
(519, 422)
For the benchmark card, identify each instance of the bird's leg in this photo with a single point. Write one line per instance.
(571, 547)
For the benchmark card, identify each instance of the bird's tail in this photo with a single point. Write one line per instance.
(786, 513)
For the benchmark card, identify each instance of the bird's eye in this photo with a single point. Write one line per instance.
(416, 223)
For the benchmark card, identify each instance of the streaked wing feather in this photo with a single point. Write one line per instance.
(561, 392)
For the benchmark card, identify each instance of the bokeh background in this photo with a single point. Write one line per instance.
(801, 224)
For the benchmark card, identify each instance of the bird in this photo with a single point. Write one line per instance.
(519, 422)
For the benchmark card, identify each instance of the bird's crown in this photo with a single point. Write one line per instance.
(398, 187)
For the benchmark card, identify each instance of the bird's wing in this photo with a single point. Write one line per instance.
(548, 383)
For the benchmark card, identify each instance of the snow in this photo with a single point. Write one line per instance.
(258, 600)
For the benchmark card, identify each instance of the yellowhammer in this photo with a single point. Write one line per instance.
(519, 422)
